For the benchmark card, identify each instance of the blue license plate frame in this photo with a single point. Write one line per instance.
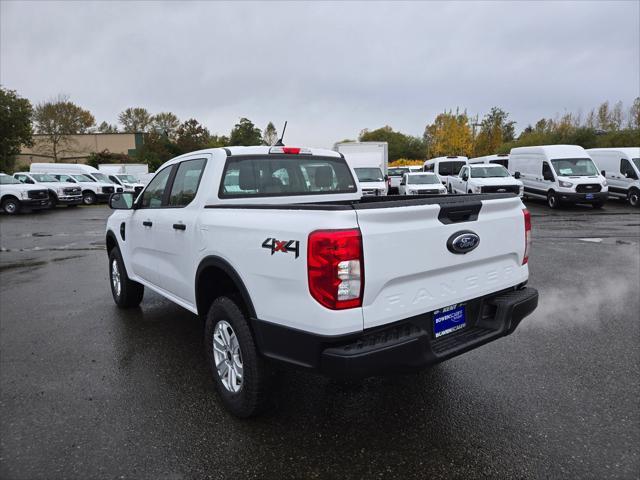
(448, 320)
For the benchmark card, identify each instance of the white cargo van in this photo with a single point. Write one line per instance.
(445, 166)
(559, 174)
(499, 159)
(369, 160)
(621, 167)
(78, 168)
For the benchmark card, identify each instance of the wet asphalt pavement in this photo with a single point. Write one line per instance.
(89, 391)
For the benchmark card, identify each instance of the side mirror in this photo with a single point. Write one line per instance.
(603, 173)
(121, 201)
(386, 178)
(516, 175)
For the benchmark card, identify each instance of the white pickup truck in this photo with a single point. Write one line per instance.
(484, 178)
(277, 248)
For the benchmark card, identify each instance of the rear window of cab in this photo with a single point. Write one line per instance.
(286, 175)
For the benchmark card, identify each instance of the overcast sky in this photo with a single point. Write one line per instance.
(330, 69)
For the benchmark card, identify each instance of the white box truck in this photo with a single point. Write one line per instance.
(370, 161)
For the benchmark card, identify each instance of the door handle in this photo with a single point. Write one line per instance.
(147, 223)
(179, 226)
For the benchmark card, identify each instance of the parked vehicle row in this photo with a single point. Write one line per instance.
(559, 174)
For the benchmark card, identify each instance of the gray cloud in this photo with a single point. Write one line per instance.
(331, 69)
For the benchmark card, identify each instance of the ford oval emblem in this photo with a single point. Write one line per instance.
(463, 242)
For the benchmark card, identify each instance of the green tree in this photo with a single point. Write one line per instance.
(165, 122)
(192, 136)
(634, 114)
(399, 144)
(134, 120)
(106, 156)
(495, 130)
(157, 149)
(245, 133)
(105, 127)
(15, 127)
(56, 120)
(270, 135)
(217, 141)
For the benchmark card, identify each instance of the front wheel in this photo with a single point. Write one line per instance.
(597, 205)
(126, 293)
(11, 206)
(634, 197)
(88, 198)
(552, 200)
(240, 374)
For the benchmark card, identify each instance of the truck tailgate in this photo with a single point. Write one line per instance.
(409, 270)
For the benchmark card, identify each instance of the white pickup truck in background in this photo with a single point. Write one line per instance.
(422, 183)
(288, 262)
(484, 178)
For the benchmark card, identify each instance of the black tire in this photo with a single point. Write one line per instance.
(131, 293)
(552, 200)
(88, 198)
(597, 205)
(11, 205)
(634, 197)
(72, 205)
(251, 398)
(53, 200)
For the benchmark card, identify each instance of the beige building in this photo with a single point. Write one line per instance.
(77, 148)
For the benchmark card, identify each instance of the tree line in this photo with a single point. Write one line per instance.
(166, 136)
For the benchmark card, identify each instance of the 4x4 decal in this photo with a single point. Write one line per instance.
(283, 246)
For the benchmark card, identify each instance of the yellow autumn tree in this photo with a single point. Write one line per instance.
(449, 134)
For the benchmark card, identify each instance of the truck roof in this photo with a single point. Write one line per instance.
(552, 151)
(631, 151)
(262, 150)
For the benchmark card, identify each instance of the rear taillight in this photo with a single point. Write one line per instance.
(336, 268)
(527, 235)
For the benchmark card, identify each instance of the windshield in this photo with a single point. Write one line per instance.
(450, 168)
(43, 177)
(101, 177)
(489, 172)
(567, 167)
(398, 172)
(128, 178)
(369, 174)
(422, 179)
(636, 162)
(7, 180)
(82, 178)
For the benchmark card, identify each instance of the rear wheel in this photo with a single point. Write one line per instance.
(634, 197)
(11, 205)
(240, 374)
(126, 293)
(88, 198)
(552, 200)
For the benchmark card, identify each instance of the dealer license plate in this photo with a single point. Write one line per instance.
(448, 320)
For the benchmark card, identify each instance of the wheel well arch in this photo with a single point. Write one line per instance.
(111, 241)
(88, 190)
(7, 196)
(53, 193)
(216, 277)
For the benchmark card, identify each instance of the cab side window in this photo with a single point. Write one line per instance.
(626, 169)
(154, 193)
(186, 182)
(464, 172)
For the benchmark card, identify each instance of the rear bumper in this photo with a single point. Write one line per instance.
(403, 346)
(597, 197)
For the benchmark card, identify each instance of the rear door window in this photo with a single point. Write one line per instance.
(186, 182)
(264, 176)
